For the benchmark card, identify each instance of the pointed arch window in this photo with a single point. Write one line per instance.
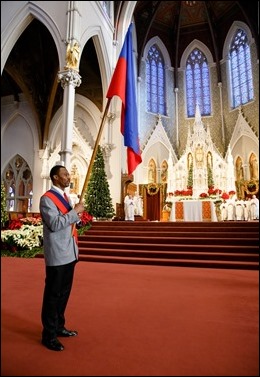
(197, 83)
(18, 183)
(240, 70)
(155, 81)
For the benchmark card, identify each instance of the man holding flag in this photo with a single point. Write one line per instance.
(123, 86)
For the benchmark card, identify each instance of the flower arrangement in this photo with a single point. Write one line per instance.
(22, 234)
(187, 192)
(225, 195)
(212, 191)
(232, 192)
(203, 195)
(85, 223)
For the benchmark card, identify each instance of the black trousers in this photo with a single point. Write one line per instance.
(58, 284)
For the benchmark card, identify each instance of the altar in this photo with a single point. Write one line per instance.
(193, 210)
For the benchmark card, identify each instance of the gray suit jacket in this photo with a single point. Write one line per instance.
(59, 245)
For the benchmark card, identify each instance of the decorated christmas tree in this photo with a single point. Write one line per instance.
(98, 201)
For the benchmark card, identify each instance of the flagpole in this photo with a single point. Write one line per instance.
(93, 156)
(94, 151)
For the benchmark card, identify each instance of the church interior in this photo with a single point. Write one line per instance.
(197, 86)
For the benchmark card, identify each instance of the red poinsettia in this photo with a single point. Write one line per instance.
(187, 192)
(212, 191)
(85, 218)
(225, 195)
(85, 222)
(15, 224)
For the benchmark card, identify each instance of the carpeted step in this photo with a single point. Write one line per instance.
(176, 254)
(169, 233)
(207, 247)
(161, 240)
(171, 262)
(185, 224)
(172, 228)
(181, 262)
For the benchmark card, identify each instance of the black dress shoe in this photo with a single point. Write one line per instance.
(66, 333)
(53, 344)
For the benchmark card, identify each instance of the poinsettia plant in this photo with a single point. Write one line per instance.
(187, 192)
(225, 195)
(22, 234)
(85, 222)
(213, 191)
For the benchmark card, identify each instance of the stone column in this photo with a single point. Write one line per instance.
(69, 79)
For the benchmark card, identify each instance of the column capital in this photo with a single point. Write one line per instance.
(69, 76)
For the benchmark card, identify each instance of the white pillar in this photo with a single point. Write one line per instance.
(177, 116)
(221, 112)
(69, 79)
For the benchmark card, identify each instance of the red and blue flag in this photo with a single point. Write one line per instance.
(123, 86)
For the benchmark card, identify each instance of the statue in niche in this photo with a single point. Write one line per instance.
(152, 172)
(164, 172)
(253, 166)
(239, 170)
(209, 160)
(190, 161)
(199, 156)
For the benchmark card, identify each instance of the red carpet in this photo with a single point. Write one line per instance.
(134, 321)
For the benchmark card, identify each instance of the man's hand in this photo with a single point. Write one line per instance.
(79, 207)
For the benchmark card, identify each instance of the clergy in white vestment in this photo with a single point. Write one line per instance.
(239, 209)
(223, 209)
(138, 204)
(254, 208)
(230, 210)
(246, 209)
(129, 208)
(171, 199)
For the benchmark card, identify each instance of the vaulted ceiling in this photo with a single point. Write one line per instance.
(32, 65)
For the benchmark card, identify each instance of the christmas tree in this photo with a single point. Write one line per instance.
(210, 178)
(98, 201)
(190, 177)
(4, 214)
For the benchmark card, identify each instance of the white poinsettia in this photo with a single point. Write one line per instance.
(27, 237)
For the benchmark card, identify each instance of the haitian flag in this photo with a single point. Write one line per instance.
(123, 86)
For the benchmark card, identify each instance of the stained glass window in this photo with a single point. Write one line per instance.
(240, 70)
(197, 83)
(155, 81)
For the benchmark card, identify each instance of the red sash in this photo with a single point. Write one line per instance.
(63, 206)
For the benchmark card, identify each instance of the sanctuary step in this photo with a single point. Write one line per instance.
(232, 245)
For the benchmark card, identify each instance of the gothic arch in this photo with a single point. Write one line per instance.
(18, 182)
(157, 41)
(236, 25)
(202, 47)
(18, 25)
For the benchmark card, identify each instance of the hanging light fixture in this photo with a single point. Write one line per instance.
(190, 3)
